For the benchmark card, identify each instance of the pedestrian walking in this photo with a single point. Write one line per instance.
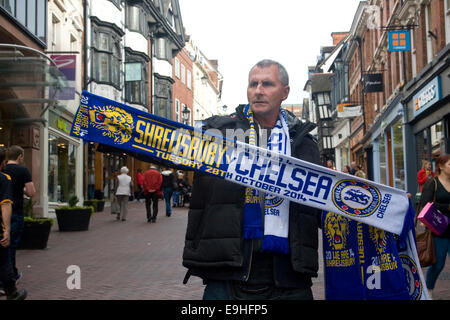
(7, 278)
(437, 190)
(21, 183)
(270, 259)
(424, 174)
(168, 181)
(123, 192)
(152, 185)
(140, 184)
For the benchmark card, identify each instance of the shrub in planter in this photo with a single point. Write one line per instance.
(72, 217)
(36, 231)
(98, 205)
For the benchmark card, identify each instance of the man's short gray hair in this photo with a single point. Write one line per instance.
(283, 75)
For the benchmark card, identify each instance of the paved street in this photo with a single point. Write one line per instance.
(131, 260)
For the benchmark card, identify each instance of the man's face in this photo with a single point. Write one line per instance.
(265, 91)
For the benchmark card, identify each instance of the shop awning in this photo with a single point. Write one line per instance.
(29, 83)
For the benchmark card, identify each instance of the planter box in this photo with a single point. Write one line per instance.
(73, 219)
(35, 234)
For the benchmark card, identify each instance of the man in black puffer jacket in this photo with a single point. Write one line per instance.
(215, 250)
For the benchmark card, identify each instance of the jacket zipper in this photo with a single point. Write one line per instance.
(245, 278)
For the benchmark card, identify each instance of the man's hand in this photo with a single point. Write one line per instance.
(4, 242)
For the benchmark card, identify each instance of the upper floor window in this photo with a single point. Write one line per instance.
(32, 14)
(177, 68)
(447, 20)
(136, 78)
(136, 19)
(189, 79)
(106, 54)
(183, 73)
(323, 98)
(162, 49)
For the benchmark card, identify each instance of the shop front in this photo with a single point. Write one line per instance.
(388, 140)
(341, 144)
(428, 105)
(62, 158)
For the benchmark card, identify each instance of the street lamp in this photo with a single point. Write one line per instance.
(186, 114)
(204, 79)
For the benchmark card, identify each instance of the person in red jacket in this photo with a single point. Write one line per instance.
(140, 184)
(424, 174)
(152, 185)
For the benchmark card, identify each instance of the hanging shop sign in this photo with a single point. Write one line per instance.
(373, 82)
(348, 110)
(427, 96)
(399, 40)
(67, 65)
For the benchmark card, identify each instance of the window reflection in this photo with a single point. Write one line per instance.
(382, 148)
(61, 169)
(399, 165)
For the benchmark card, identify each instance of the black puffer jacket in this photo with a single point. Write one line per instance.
(214, 247)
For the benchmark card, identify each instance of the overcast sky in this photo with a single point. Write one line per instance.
(239, 33)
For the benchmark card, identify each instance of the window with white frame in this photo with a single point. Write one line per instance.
(177, 68)
(428, 36)
(327, 142)
(177, 110)
(447, 20)
(189, 79)
(413, 54)
(183, 73)
(323, 98)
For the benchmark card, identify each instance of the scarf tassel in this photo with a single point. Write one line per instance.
(275, 244)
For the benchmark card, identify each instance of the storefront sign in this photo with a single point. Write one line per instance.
(373, 82)
(348, 110)
(399, 40)
(427, 96)
(67, 66)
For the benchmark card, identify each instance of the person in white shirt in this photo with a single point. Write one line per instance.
(123, 192)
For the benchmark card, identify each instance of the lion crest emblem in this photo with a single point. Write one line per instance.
(336, 230)
(114, 122)
(379, 238)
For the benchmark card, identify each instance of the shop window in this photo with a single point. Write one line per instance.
(399, 164)
(437, 139)
(422, 148)
(61, 169)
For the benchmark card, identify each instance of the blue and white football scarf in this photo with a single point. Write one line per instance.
(154, 138)
(276, 215)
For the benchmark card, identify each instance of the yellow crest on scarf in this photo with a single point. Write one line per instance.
(115, 123)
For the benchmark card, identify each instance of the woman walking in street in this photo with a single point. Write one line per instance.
(437, 190)
(123, 192)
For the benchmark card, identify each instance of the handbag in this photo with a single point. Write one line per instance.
(425, 242)
(115, 206)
